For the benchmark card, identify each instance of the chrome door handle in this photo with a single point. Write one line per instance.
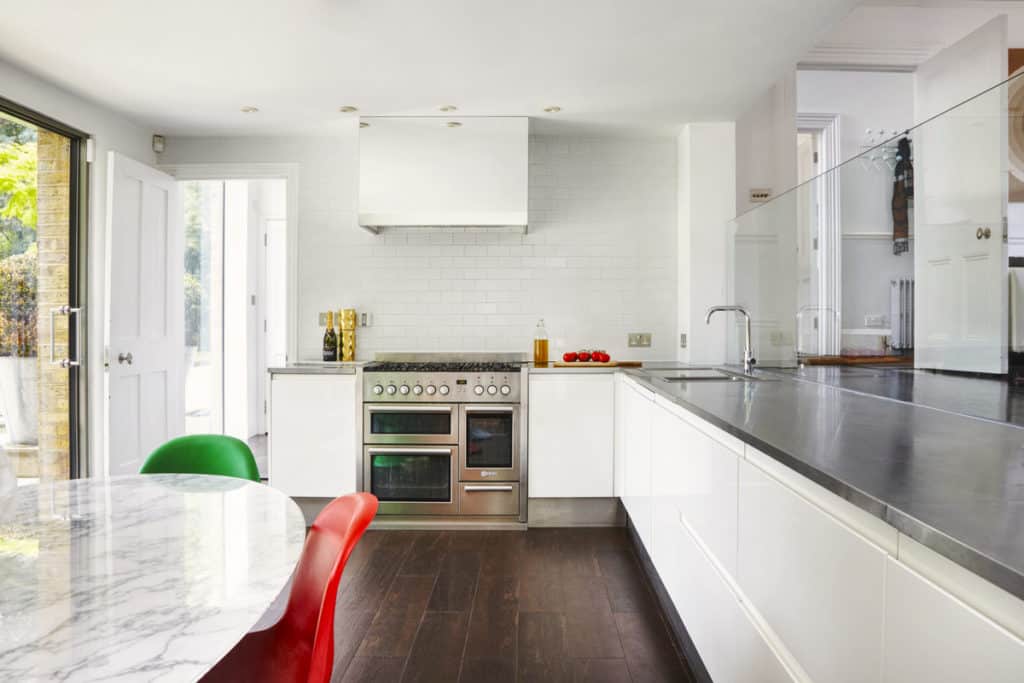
(490, 409)
(68, 311)
(470, 488)
(983, 233)
(125, 358)
(409, 409)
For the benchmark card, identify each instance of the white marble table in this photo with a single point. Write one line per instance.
(139, 578)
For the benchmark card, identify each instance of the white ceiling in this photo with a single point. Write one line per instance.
(187, 66)
(906, 33)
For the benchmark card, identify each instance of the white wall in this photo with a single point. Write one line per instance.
(706, 203)
(110, 131)
(764, 244)
(863, 100)
(599, 260)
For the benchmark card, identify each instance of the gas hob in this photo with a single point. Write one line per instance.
(442, 382)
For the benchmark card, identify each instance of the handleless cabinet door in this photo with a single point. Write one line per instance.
(571, 436)
(816, 582)
(698, 475)
(637, 467)
(313, 450)
(932, 636)
(732, 647)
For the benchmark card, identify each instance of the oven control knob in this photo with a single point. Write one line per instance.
(444, 389)
(417, 390)
(378, 389)
(404, 389)
(492, 390)
(392, 389)
(505, 390)
(478, 390)
(431, 390)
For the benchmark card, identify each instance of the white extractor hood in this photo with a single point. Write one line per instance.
(433, 171)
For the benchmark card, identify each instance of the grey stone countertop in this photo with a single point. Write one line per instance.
(952, 482)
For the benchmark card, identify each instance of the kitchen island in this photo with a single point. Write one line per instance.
(805, 532)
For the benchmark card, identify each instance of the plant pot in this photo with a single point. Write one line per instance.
(19, 396)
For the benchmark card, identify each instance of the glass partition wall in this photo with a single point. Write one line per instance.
(900, 256)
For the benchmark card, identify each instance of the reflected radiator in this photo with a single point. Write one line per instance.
(901, 314)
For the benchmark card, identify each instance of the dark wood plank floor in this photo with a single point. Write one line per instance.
(495, 606)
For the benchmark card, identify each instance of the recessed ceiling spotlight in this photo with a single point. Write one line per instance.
(553, 109)
(448, 107)
(453, 124)
(348, 109)
(249, 109)
(364, 124)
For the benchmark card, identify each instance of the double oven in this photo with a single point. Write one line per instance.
(443, 439)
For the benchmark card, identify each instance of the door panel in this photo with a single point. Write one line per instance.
(960, 194)
(146, 345)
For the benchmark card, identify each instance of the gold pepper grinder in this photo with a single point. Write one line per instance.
(347, 318)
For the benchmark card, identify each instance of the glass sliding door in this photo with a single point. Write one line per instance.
(204, 310)
(41, 343)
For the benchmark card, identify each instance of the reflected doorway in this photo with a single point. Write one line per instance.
(235, 312)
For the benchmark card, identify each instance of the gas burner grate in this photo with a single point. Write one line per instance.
(441, 366)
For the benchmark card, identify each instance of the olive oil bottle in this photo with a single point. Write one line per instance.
(330, 339)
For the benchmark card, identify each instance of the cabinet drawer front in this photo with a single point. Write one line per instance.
(489, 499)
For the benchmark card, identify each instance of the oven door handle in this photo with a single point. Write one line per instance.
(491, 409)
(395, 450)
(471, 488)
(409, 409)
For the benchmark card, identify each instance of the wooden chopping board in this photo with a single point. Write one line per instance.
(596, 364)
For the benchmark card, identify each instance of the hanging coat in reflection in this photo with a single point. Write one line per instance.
(902, 197)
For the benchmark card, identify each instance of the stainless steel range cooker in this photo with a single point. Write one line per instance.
(445, 438)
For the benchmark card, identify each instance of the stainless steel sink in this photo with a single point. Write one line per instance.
(705, 374)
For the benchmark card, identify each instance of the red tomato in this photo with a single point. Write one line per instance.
(570, 357)
(602, 356)
(584, 356)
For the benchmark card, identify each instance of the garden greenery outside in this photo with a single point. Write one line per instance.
(18, 252)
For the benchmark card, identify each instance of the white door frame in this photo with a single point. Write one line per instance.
(830, 242)
(262, 171)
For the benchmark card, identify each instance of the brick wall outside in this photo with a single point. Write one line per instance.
(54, 176)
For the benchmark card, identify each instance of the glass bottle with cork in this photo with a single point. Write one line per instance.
(540, 345)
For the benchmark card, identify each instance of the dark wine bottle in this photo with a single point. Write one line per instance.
(330, 339)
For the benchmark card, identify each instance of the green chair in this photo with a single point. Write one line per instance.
(203, 454)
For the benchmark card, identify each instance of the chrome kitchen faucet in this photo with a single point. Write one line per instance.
(748, 352)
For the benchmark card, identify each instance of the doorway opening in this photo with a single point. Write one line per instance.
(235, 303)
(41, 337)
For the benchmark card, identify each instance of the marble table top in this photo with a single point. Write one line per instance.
(138, 578)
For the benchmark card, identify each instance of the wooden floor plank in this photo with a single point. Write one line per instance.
(437, 653)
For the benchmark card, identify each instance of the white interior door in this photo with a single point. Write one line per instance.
(960, 168)
(146, 345)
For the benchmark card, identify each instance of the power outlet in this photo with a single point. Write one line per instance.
(322, 319)
(779, 338)
(759, 195)
(639, 339)
(874, 320)
(682, 340)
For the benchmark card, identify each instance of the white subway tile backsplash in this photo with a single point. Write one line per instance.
(597, 262)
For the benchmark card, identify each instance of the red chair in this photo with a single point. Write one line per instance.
(299, 648)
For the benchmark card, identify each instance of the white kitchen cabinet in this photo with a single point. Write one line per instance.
(818, 584)
(697, 475)
(313, 439)
(637, 460)
(932, 636)
(571, 435)
(619, 478)
(732, 647)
